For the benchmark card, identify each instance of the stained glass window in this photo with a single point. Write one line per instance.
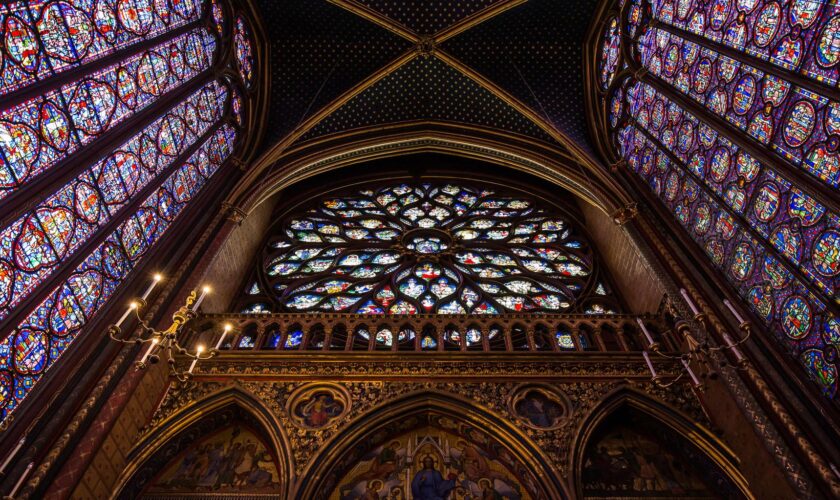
(429, 248)
(244, 51)
(763, 224)
(124, 185)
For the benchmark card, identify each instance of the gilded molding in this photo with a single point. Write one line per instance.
(308, 444)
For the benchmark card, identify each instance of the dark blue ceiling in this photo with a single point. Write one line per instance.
(532, 51)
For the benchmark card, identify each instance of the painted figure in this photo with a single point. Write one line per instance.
(428, 484)
(539, 410)
(320, 409)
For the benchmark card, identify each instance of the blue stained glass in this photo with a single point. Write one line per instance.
(438, 269)
(93, 105)
(61, 223)
(56, 322)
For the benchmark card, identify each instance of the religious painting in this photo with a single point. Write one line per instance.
(229, 463)
(317, 406)
(538, 407)
(634, 456)
(438, 458)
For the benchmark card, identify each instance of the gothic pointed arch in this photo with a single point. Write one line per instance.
(432, 243)
(519, 154)
(438, 426)
(632, 445)
(226, 421)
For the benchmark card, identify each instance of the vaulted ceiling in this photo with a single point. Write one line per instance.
(343, 65)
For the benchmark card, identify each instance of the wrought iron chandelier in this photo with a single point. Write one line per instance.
(165, 342)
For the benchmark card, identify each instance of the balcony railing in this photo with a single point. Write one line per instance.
(432, 333)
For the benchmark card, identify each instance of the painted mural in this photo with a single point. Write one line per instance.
(436, 459)
(539, 408)
(631, 456)
(231, 462)
(316, 406)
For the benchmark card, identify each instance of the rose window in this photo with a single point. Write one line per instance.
(415, 249)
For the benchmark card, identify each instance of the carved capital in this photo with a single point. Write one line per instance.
(624, 214)
(620, 164)
(238, 163)
(233, 213)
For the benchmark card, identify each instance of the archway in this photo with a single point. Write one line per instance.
(634, 447)
(227, 443)
(431, 442)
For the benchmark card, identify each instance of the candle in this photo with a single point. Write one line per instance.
(131, 307)
(694, 379)
(690, 303)
(21, 479)
(204, 292)
(739, 358)
(155, 280)
(12, 454)
(645, 331)
(649, 364)
(733, 311)
(222, 338)
(149, 350)
(198, 351)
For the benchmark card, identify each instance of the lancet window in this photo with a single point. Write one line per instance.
(728, 112)
(115, 114)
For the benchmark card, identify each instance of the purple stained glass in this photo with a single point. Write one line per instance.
(795, 122)
(37, 134)
(37, 242)
(244, 51)
(45, 38)
(775, 294)
(57, 321)
(738, 180)
(800, 35)
(608, 61)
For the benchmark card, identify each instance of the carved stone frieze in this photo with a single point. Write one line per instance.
(566, 367)
(367, 396)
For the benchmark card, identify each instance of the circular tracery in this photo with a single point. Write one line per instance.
(427, 248)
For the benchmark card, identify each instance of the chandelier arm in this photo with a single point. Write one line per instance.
(664, 385)
(668, 356)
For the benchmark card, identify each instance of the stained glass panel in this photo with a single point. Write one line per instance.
(608, 63)
(43, 131)
(799, 125)
(244, 51)
(35, 244)
(46, 333)
(45, 38)
(781, 214)
(799, 36)
(428, 248)
(772, 288)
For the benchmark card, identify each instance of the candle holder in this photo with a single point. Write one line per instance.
(699, 352)
(165, 342)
